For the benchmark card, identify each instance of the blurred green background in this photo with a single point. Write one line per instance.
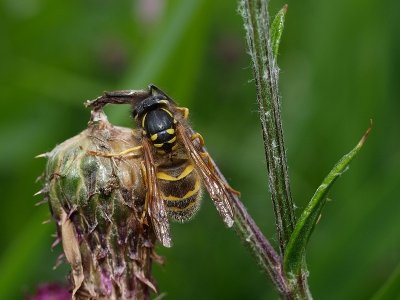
(340, 68)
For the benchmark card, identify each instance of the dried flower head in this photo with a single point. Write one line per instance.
(97, 204)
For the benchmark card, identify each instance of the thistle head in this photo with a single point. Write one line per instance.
(97, 204)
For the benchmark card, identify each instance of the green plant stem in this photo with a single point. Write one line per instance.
(265, 70)
(251, 236)
(266, 73)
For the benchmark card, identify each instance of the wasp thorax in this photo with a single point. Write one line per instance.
(159, 125)
(97, 203)
(157, 122)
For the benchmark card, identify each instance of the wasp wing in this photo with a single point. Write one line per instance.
(156, 207)
(212, 182)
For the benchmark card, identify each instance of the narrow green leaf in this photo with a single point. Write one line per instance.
(391, 288)
(304, 227)
(277, 29)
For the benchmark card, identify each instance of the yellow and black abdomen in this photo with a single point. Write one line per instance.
(180, 185)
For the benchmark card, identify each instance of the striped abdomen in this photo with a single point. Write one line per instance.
(180, 185)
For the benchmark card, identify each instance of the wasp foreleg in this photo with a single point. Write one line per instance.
(209, 161)
(146, 202)
(198, 136)
(123, 153)
(184, 111)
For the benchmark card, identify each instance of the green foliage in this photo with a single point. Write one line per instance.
(296, 249)
(277, 29)
(56, 55)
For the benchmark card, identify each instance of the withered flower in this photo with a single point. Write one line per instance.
(97, 203)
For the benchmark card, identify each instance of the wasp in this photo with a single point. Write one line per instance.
(176, 166)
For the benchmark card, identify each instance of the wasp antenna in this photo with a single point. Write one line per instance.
(42, 191)
(42, 202)
(43, 155)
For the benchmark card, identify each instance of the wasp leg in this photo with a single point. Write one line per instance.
(146, 201)
(210, 165)
(198, 136)
(209, 161)
(123, 153)
(184, 111)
